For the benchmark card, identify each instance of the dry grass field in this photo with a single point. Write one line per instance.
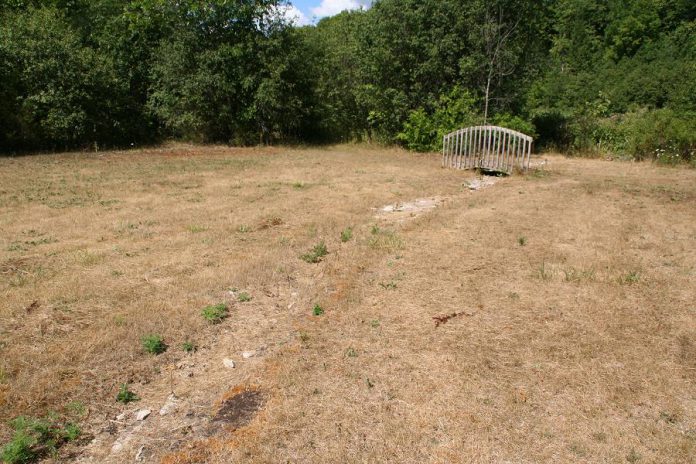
(550, 317)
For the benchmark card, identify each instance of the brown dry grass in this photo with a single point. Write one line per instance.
(576, 346)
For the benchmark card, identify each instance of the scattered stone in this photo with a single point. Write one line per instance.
(143, 414)
(117, 447)
(478, 184)
(228, 363)
(123, 416)
(248, 354)
(169, 406)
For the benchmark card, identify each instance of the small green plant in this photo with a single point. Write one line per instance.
(346, 235)
(318, 310)
(126, 396)
(188, 347)
(316, 254)
(375, 324)
(522, 240)
(388, 285)
(375, 229)
(299, 185)
(243, 229)
(36, 438)
(351, 353)
(632, 277)
(369, 383)
(153, 344)
(194, 229)
(244, 297)
(215, 314)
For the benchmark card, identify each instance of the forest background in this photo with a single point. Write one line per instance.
(587, 77)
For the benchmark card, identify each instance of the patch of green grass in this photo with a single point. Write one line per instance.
(375, 324)
(375, 229)
(386, 240)
(316, 254)
(388, 285)
(299, 185)
(318, 310)
(126, 396)
(243, 229)
(215, 314)
(577, 275)
(153, 344)
(522, 241)
(351, 353)
(188, 347)
(35, 438)
(347, 234)
(244, 297)
(195, 229)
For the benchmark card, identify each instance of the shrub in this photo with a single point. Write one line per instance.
(215, 314)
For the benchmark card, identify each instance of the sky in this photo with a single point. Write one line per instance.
(310, 11)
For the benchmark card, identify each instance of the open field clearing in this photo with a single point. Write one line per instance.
(549, 317)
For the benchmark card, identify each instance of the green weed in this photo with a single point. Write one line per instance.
(244, 297)
(126, 396)
(632, 277)
(318, 310)
(316, 254)
(215, 314)
(153, 344)
(188, 347)
(522, 241)
(36, 438)
(346, 235)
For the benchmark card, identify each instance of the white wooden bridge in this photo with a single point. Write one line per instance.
(490, 148)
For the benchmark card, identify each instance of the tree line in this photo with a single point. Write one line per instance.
(580, 75)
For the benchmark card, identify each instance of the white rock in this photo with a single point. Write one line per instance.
(122, 416)
(228, 363)
(143, 414)
(248, 354)
(117, 447)
(169, 406)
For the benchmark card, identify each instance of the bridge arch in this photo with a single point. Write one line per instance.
(491, 148)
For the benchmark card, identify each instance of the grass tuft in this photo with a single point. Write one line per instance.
(316, 254)
(346, 235)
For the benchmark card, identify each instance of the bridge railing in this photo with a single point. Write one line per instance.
(491, 148)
